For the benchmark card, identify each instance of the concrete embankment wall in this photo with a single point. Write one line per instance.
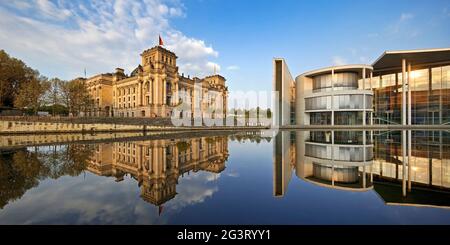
(22, 140)
(33, 127)
(12, 127)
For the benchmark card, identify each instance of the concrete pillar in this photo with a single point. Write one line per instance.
(404, 162)
(409, 160)
(371, 174)
(332, 97)
(364, 78)
(332, 175)
(364, 110)
(409, 123)
(332, 146)
(364, 145)
(364, 96)
(364, 177)
(409, 93)
(403, 92)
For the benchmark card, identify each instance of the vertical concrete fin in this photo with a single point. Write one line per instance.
(283, 84)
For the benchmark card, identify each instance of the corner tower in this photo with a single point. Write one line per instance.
(160, 77)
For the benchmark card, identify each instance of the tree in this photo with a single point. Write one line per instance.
(31, 93)
(269, 113)
(54, 94)
(13, 73)
(76, 97)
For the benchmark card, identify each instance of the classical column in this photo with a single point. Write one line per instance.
(164, 159)
(140, 161)
(140, 93)
(155, 91)
(176, 93)
(152, 91)
(164, 92)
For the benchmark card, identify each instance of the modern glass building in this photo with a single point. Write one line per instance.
(410, 87)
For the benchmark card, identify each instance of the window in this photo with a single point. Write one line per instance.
(320, 118)
(348, 118)
(322, 83)
(318, 103)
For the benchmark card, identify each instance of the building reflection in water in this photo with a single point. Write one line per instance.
(156, 165)
(368, 160)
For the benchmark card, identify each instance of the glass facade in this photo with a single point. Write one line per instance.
(343, 81)
(337, 97)
(340, 137)
(336, 173)
(430, 157)
(352, 153)
(430, 101)
(346, 101)
(352, 101)
(348, 118)
(320, 118)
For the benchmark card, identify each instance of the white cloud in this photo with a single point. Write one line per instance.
(49, 10)
(400, 24)
(446, 12)
(406, 16)
(338, 61)
(19, 4)
(64, 37)
(233, 68)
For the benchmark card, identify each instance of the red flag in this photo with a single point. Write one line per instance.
(161, 43)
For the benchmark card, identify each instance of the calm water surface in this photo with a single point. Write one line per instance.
(296, 177)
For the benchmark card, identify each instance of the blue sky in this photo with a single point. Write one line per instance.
(240, 38)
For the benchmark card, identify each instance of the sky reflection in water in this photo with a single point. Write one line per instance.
(238, 179)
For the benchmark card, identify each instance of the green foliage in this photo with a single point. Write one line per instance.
(24, 169)
(56, 109)
(13, 74)
(75, 96)
(23, 87)
(31, 93)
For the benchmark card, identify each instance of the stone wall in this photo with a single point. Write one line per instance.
(7, 127)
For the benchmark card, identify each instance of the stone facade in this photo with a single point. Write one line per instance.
(152, 89)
